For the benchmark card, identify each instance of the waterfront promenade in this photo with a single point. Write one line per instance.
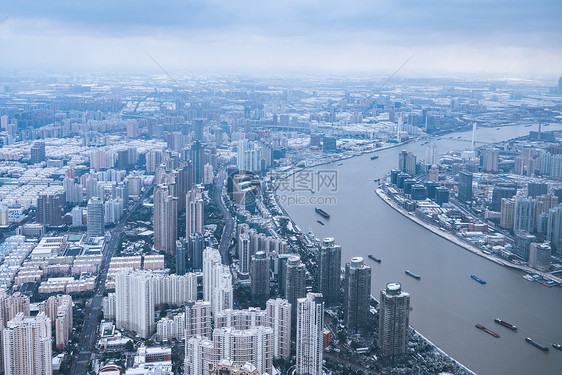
(458, 241)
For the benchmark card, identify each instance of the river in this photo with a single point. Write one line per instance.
(446, 302)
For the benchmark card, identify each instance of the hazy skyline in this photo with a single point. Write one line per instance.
(511, 39)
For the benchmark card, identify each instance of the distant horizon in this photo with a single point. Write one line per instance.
(196, 74)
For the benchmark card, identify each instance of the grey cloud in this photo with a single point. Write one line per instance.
(477, 35)
(293, 18)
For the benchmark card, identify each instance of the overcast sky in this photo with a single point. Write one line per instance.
(513, 38)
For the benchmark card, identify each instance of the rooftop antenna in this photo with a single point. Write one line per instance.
(473, 134)
(399, 127)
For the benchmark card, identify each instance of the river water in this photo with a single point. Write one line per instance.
(446, 302)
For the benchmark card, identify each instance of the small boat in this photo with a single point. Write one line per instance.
(322, 213)
(375, 259)
(340, 164)
(505, 324)
(528, 277)
(415, 276)
(536, 344)
(488, 331)
(547, 282)
(319, 222)
(557, 346)
(478, 279)
(374, 157)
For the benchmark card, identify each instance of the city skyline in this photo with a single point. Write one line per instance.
(203, 224)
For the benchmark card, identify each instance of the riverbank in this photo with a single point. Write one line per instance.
(439, 350)
(292, 171)
(456, 240)
(366, 152)
(411, 140)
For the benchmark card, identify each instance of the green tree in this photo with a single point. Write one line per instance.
(129, 346)
(342, 337)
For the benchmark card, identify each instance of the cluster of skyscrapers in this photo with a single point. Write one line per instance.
(514, 184)
(213, 331)
(252, 336)
(26, 340)
(138, 292)
(179, 189)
